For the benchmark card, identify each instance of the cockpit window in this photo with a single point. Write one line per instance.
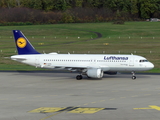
(143, 61)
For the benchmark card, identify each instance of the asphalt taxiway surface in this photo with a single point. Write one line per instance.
(59, 96)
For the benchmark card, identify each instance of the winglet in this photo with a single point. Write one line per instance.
(22, 43)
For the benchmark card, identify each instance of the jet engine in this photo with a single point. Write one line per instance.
(94, 73)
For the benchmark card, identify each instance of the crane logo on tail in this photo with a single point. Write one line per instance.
(21, 42)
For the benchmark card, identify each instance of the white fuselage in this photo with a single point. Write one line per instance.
(107, 62)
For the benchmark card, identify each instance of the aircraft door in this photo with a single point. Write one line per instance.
(93, 61)
(131, 61)
(37, 61)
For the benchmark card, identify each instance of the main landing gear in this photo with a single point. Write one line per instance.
(133, 76)
(79, 77)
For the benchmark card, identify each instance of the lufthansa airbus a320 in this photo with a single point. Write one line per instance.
(91, 65)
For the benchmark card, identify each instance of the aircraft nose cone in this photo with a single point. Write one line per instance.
(151, 66)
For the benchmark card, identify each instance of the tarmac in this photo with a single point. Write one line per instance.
(59, 96)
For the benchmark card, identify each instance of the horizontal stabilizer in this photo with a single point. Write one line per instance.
(18, 58)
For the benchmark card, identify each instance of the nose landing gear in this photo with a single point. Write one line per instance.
(133, 76)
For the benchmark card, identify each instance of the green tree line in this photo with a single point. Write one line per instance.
(137, 8)
(76, 11)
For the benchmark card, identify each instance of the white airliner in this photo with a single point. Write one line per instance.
(91, 65)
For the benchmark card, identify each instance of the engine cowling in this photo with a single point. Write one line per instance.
(110, 72)
(95, 73)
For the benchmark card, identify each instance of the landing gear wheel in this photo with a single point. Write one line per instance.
(133, 77)
(79, 77)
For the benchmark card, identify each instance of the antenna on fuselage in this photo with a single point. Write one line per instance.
(44, 52)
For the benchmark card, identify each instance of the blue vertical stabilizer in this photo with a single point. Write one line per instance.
(22, 44)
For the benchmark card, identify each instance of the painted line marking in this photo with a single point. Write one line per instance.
(122, 97)
(86, 110)
(46, 110)
(112, 99)
(153, 107)
(85, 104)
(58, 112)
(78, 105)
(93, 102)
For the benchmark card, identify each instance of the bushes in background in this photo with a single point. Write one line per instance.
(27, 16)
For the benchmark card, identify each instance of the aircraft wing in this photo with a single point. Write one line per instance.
(71, 68)
(77, 68)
